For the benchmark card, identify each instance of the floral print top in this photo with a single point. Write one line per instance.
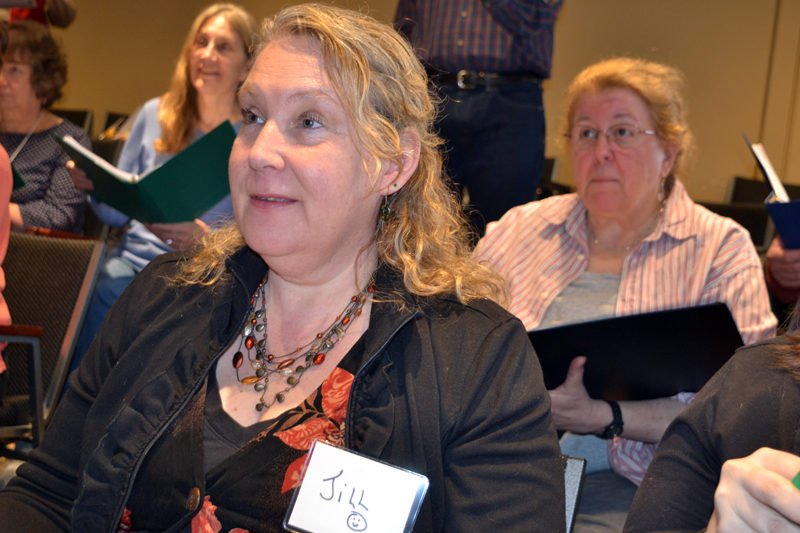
(249, 490)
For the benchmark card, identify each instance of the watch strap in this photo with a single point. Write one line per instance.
(614, 429)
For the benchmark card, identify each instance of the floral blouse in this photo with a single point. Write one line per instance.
(250, 490)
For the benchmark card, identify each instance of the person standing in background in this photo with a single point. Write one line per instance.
(58, 13)
(487, 61)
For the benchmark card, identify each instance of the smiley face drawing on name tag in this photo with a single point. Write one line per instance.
(343, 492)
(356, 521)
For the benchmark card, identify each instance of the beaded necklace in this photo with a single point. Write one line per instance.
(291, 365)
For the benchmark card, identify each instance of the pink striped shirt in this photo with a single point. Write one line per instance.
(693, 257)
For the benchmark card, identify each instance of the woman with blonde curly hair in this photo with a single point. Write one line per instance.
(343, 306)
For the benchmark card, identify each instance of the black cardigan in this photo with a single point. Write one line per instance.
(449, 390)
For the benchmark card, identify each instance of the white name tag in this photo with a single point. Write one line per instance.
(343, 492)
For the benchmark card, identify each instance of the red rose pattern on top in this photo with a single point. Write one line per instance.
(328, 426)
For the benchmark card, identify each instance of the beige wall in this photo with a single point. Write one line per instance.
(122, 52)
(734, 81)
(741, 59)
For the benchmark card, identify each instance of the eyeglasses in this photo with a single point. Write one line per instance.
(623, 136)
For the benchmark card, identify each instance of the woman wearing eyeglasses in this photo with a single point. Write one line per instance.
(629, 241)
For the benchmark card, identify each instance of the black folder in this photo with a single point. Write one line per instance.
(644, 356)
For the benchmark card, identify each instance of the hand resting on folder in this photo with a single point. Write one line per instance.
(638, 360)
(178, 235)
(572, 407)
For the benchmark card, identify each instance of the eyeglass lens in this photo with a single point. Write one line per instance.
(621, 135)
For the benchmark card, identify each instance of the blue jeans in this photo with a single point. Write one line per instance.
(494, 142)
(115, 275)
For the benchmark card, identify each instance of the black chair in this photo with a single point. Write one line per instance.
(93, 227)
(547, 184)
(111, 125)
(748, 190)
(83, 118)
(744, 202)
(108, 148)
(49, 281)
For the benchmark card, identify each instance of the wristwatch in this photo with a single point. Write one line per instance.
(614, 429)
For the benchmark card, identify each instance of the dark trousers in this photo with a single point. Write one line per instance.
(494, 145)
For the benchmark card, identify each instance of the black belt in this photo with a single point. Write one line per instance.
(468, 79)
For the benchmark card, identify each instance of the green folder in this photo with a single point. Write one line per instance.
(189, 184)
(18, 181)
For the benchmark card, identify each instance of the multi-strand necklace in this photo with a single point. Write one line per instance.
(290, 366)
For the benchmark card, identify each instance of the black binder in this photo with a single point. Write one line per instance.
(640, 357)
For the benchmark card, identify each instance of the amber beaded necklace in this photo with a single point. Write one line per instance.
(292, 365)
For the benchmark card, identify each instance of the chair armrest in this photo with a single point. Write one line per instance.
(30, 335)
(21, 330)
(36, 230)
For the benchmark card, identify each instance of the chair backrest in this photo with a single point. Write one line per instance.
(574, 473)
(547, 184)
(83, 118)
(49, 281)
(113, 122)
(109, 149)
(750, 190)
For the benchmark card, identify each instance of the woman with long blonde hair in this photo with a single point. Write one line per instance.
(212, 64)
(342, 307)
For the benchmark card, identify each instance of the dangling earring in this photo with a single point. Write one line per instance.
(386, 209)
(662, 193)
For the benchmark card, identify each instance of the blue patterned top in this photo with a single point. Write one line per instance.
(48, 199)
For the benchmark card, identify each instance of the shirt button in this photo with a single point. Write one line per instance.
(464, 14)
(460, 42)
(544, 295)
(580, 257)
(194, 499)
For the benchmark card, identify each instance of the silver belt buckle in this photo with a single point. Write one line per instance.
(463, 80)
